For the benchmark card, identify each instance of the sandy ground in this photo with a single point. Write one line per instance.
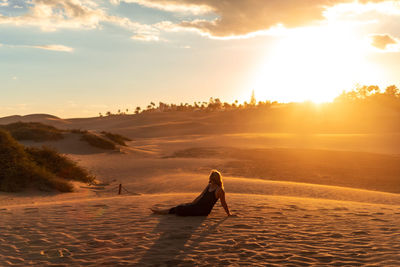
(276, 223)
(267, 230)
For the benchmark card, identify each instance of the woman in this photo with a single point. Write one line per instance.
(204, 203)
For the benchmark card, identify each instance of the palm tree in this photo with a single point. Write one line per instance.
(253, 100)
(392, 91)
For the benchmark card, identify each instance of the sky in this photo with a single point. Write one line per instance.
(76, 58)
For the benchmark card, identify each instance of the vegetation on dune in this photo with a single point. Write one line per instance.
(78, 131)
(98, 141)
(116, 138)
(365, 109)
(105, 140)
(371, 93)
(18, 171)
(60, 165)
(33, 131)
(360, 94)
(38, 168)
(40, 132)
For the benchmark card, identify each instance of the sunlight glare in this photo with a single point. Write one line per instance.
(314, 64)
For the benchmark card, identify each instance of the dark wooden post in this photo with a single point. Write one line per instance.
(119, 189)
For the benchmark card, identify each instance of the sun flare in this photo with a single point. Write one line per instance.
(314, 64)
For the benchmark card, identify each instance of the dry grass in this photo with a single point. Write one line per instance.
(42, 169)
(116, 138)
(58, 164)
(40, 132)
(33, 131)
(98, 141)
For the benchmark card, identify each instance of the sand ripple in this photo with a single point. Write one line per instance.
(268, 230)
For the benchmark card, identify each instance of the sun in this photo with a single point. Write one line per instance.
(314, 64)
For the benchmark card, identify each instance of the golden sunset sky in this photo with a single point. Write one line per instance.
(75, 58)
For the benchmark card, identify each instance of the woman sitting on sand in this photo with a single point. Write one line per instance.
(204, 203)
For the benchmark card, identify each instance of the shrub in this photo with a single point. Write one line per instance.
(116, 138)
(58, 164)
(18, 171)
(33, 131)
(78, 131)
(98, 141)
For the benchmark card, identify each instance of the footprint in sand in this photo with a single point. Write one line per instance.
(340, 208)
(336, 235)
(31, 210)
(378, 220)
(100, 206)
(294, 207)
(5, 212)
(362, 214)
(324, 258)
(360, 232)
(241, 226)
(276, 212)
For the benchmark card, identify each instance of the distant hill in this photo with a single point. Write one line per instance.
(28, 118)
(296, 118)
(340, 125)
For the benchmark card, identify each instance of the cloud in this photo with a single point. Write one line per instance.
(225, 18)
(385, 42)
(52, 15)
(51, 47)
(194, 7)
(58, 48)
(146, 38)
(238, 18)
(4, 3)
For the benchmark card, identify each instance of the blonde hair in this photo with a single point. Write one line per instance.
(216, 178)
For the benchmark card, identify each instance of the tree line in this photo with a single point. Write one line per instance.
(360, 94)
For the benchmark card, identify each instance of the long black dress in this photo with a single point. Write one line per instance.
(202, 207)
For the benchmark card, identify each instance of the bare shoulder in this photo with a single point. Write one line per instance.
(219, 191)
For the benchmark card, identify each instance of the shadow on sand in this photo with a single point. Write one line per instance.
(178, 237)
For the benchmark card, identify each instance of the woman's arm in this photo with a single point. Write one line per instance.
(221, 196)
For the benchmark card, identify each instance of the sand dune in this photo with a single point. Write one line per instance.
(232, 128)
(271, 230)
(277, 222)
(43, 118)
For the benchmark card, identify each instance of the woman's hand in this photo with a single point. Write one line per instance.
(221, 196)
